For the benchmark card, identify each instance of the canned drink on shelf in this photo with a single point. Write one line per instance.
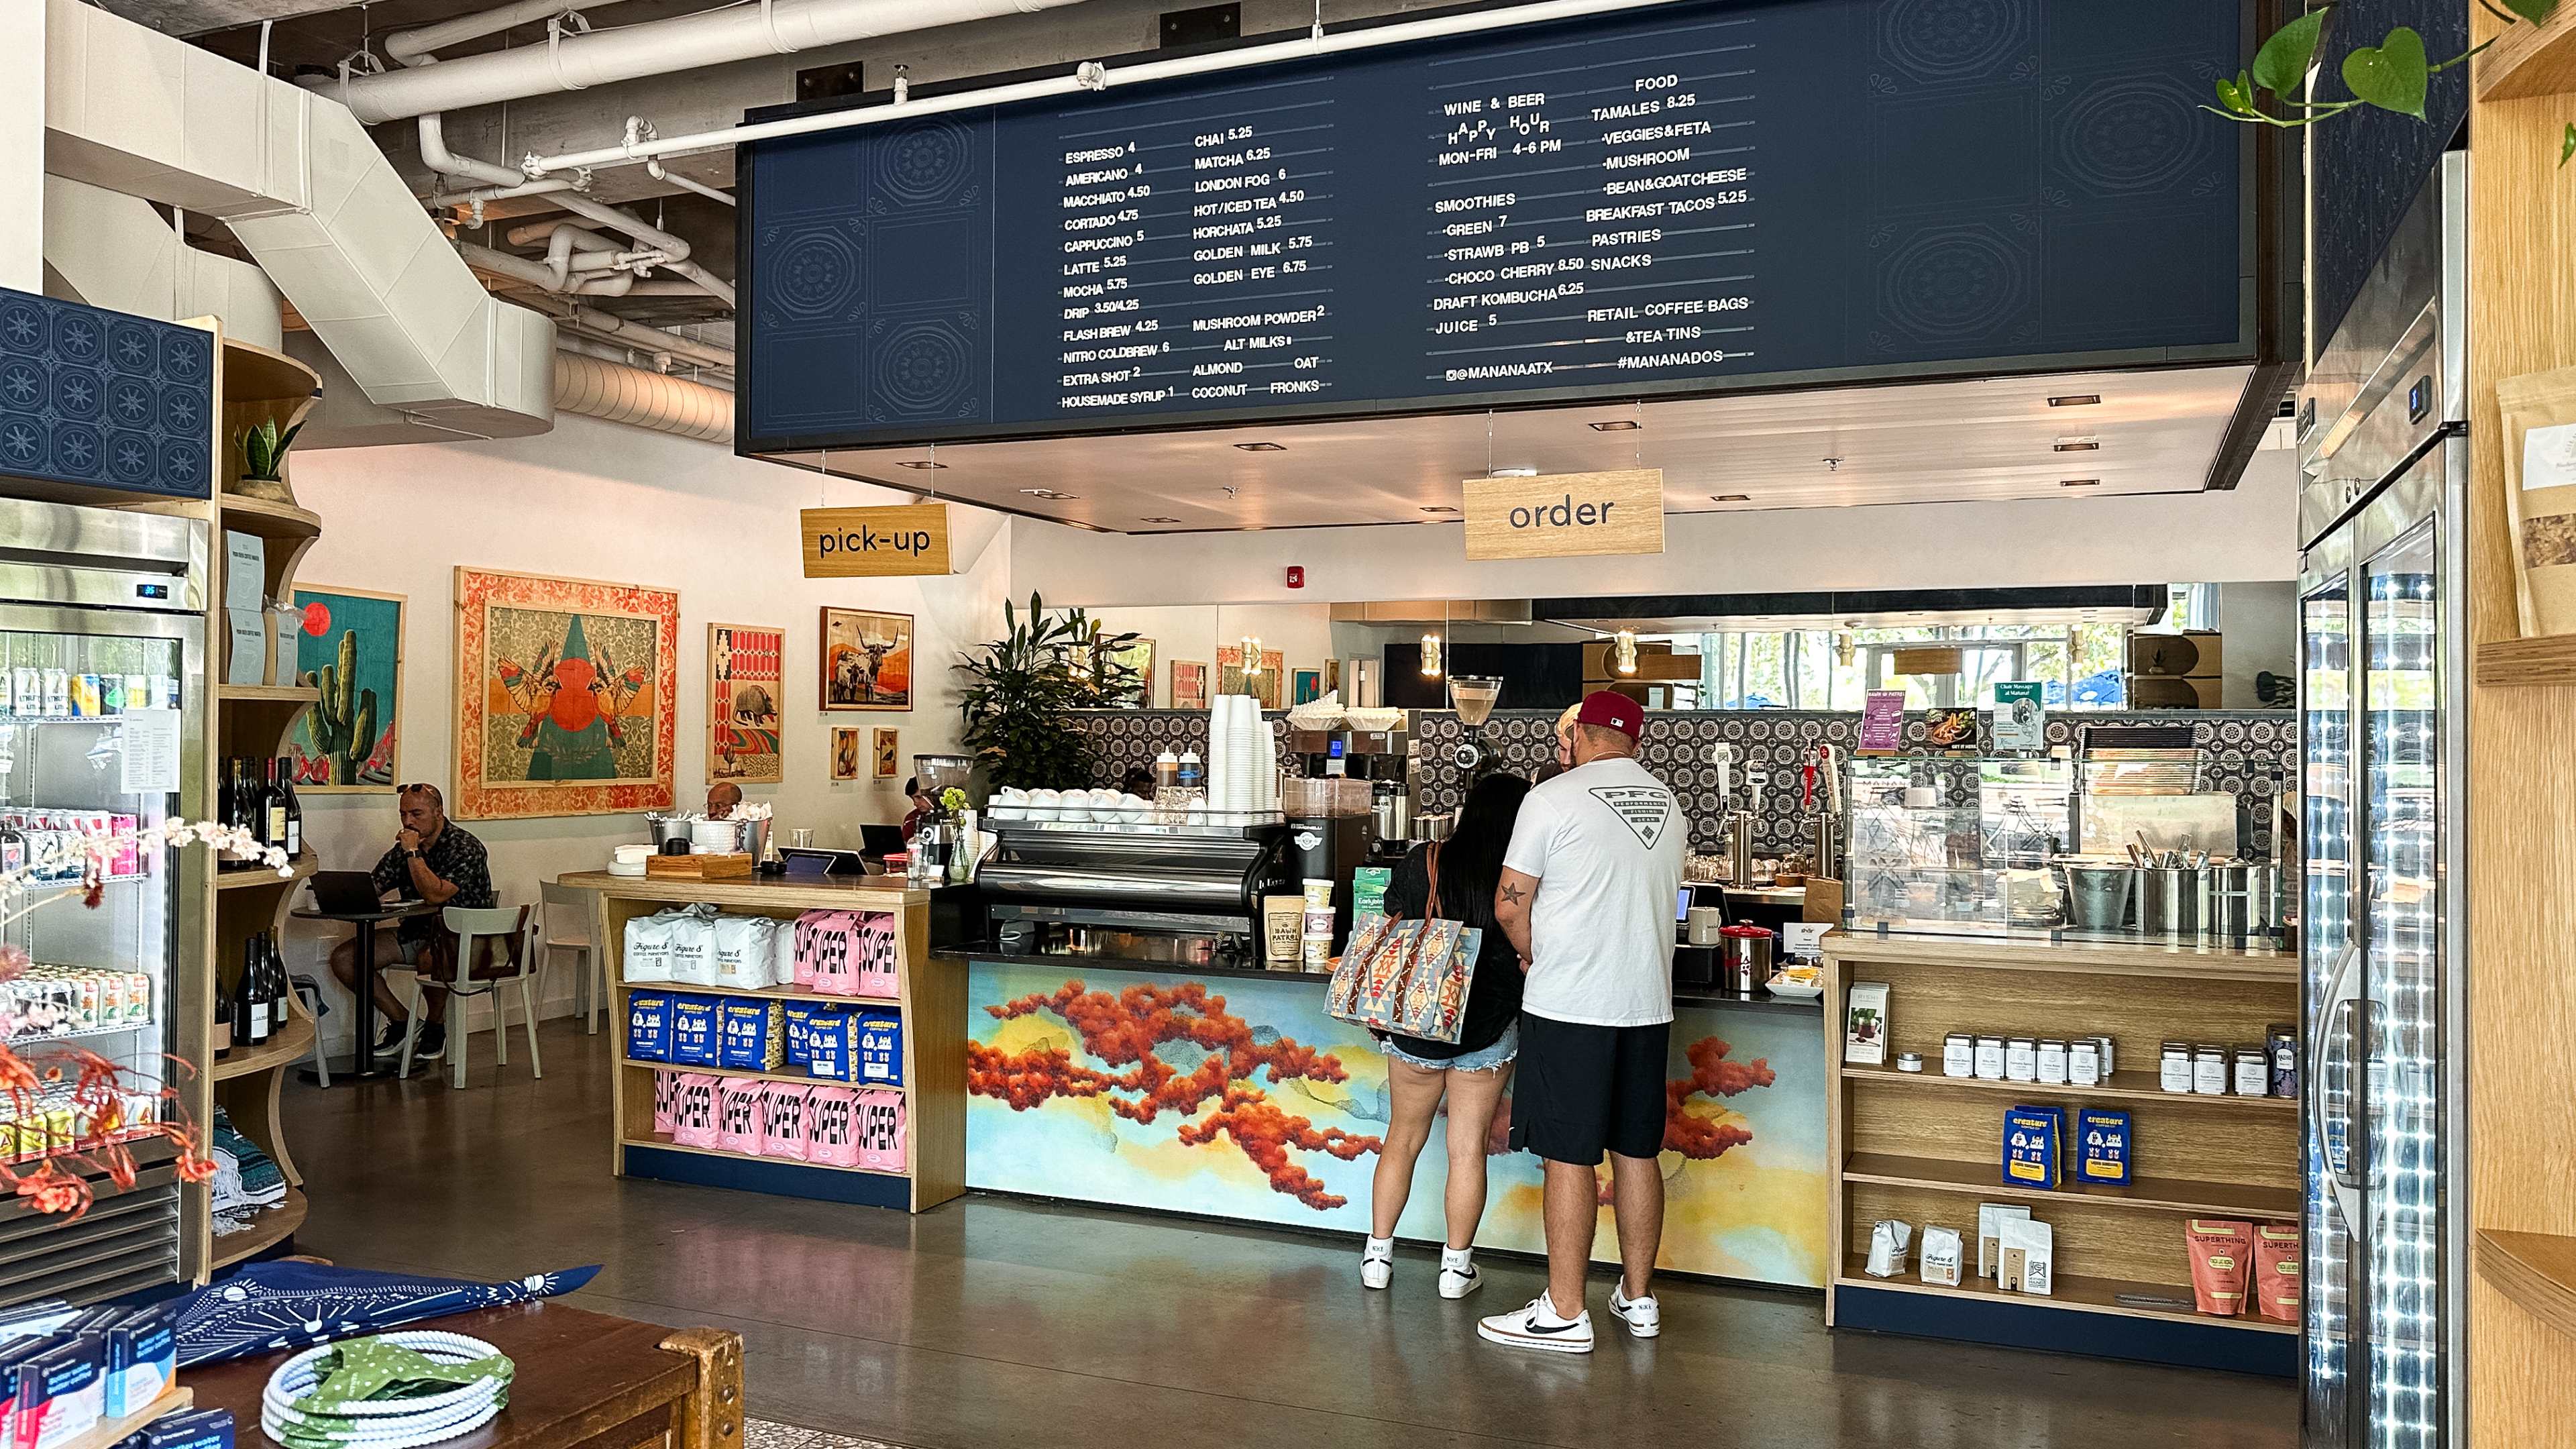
(58, 693)
(27, 691)
(2282, 1041)
(85, 696)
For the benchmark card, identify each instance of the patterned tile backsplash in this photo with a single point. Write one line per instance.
(2252, 754)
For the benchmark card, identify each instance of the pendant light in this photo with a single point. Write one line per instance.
(1431, 656)
(1626, 651)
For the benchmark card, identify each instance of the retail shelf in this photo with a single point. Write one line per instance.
(108, 1432)
(283, 1049)
(41, 1039)
(2530, 60)
(2123, 1087)
(783, 1074)
(269, 520)
(255, 372)
(2546, 661)
(2536, 1270)
(772, 993)
(267, 694)
(2083, 1295)
(661, 1142)
(2180, 961)
(2154, 1194)
(267, 1230)
(247, 877)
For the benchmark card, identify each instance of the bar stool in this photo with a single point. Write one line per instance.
(509, 928)
(565, 926)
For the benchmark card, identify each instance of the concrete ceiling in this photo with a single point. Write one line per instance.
(1999, 438)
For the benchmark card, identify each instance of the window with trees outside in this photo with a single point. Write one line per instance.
(2078, 666)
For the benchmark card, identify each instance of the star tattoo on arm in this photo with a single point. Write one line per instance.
(1514, 894)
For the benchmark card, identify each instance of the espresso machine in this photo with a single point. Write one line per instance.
(1188, 894)
(1384, 758)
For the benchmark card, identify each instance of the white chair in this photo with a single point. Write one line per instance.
(564, 925)
(512, 934)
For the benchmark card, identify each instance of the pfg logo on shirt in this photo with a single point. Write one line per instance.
(1645, 808)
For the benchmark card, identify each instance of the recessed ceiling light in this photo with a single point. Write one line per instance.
(1263, 447)
(2080, 483)
(1615, 425)
(1158, 520)
(2077, 445)
(1050, 494)
(2075, 400)
(1730, 498)
(1439, 509)
(917, 463)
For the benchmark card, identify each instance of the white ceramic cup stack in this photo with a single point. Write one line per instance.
(390, 1423)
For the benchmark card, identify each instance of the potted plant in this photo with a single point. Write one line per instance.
(263, 459)
(1019, 687)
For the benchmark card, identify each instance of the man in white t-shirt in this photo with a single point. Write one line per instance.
(1587, 895)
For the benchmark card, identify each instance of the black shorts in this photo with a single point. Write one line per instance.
(1580, 1090)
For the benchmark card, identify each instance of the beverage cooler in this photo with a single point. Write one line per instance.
(102, 729)
(2384, 460)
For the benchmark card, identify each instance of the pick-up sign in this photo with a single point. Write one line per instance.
(846, 543)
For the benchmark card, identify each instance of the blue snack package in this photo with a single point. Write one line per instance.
(2103, 1139)
(753, 1037)
(880, 1049)
(2031, 1139)
(197, 1429)
(696, 1039)
(61, 1391)
(832, 1046)
(798, 1017)
(142, 1359)
(648, 1026)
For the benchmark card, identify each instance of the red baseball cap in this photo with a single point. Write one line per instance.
(1617, 711)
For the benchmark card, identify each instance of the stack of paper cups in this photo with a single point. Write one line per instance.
(1316, 949)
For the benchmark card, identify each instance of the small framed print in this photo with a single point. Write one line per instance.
(845, 752)
(884, 753)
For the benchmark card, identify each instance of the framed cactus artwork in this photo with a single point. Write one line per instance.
(746, 666)
(349, 646)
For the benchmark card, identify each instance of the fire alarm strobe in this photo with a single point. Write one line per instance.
(1296, 576)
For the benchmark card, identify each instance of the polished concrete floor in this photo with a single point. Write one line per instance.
(995, 1322)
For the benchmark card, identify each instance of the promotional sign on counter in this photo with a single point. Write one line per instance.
(875, 543)
(1882, 722)
(2021, 717)
(1558, 515)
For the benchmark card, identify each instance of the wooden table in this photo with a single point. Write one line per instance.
(585, 1381)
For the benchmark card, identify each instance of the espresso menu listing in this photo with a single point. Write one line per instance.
(1595, 217)
(1194, 261)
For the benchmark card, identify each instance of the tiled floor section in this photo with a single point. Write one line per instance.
(762, 1434)
(994, 1323)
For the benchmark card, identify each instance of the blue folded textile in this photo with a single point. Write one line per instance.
(264, 1307)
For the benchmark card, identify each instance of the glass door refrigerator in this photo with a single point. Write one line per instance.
(2383, 618)
(102, 731)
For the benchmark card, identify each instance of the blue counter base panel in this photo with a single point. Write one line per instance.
(779, 1179)
(2094, 1335)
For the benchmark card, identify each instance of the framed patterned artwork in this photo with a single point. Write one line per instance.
(564, 701)
(746, 664)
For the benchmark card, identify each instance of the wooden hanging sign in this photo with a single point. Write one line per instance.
(1559, 515)
(874, 543)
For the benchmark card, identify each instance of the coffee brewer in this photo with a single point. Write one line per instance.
(1473, 696)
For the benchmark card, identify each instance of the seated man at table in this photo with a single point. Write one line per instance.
(435, 860)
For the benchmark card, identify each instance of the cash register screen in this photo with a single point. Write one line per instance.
(1681, 907)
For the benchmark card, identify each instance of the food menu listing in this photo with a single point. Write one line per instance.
(1677, 198)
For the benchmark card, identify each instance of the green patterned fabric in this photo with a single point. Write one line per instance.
(373, 1370)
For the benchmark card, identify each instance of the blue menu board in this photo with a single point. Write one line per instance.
(1685, 199)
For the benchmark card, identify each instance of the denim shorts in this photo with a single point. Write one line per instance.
(1492, 1058)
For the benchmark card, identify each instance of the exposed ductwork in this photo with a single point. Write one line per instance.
(572, 60)
(606, 326)
(320, 208)
(413, 46)
(597, 388)
(121, 252)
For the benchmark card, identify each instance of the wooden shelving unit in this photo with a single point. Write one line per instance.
(2526, 663)
(272, 1227)
(1926, 1148)
(2535, 1270)
(109, 1432)
(932, 1003)
(2530, 60)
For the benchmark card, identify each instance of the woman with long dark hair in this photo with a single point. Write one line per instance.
(1452, 880)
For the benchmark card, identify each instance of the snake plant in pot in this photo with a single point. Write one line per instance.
(263, 458)
(1019, 687)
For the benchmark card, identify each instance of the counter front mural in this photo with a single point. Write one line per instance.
(1238, 1097)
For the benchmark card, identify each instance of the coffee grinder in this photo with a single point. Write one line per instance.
(1473, 696)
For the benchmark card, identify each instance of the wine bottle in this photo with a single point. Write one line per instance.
(293, 843)
(250, 1009)
(272, 806)
(223, 1035)
(279, 988)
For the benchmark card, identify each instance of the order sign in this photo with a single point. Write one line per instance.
(860, 543)
(1558, 514)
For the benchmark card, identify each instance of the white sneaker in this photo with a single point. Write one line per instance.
(1644, 1316)
(1537, 1326)
(1458, 1275)
(1377, 1262)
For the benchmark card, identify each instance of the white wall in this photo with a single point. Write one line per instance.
(22, 145)
(600, 501)
(2243, 534)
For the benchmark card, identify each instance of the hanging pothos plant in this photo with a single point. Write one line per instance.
(1019, 687)
(2394, 75)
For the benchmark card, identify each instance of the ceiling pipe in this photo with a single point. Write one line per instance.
(435, 155)
(588, 319)
(413, 46)
(597, 388)
(1090, 75)
(575, 61)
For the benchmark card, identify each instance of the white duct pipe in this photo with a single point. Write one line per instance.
(674, 249)
(435, 155)
(546, 187)
(587, 319)
(597, 388)
(571, 62)
(413, 46)
(1089, 76)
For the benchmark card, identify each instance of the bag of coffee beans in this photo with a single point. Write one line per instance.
(2222, 1255)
